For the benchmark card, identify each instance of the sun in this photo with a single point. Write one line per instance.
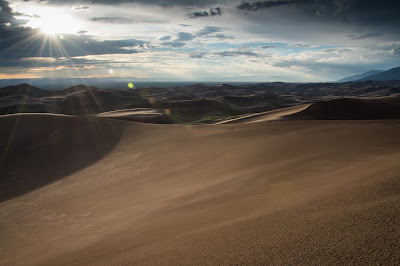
(53, 21)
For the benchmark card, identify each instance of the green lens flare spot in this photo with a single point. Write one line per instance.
(131, 86)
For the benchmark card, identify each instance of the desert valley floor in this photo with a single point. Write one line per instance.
(90, 191)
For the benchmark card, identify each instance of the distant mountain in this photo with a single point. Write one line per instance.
(360, 76)
(391, 74)
(24, 90)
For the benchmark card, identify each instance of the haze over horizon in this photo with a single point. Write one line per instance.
(211, 40)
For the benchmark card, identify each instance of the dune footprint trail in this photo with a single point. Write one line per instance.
(275, 192)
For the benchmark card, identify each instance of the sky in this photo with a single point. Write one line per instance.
(194, 40)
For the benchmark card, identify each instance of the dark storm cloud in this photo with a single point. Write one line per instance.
(198, 14)
(212, 13)
(367, 11)
(125, 43)
(116, 20)
(7, 15)
(19, 42)
(164, 3)
(254, 6)
(366, 36)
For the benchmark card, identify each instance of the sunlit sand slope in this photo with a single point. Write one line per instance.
(144, 115)
(280, 192)
(266, 116)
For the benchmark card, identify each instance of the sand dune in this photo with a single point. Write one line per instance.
(37, 149)
(145, 115)
(275, 192)
(352, 108)
(266, 116)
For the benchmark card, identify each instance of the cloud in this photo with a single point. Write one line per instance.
(80, 7)
(7, 15)
(38, 62)
(174, 44)
(164, 3)
(366, 36)
(222, 36)
(19, 42)
(336, 50)
(82, 32)
(208, 30)
(126, 43)
(243, 50)
(300, 45)
(197, 55)
(362, 11)
(166, 38)
(212, 13)
(236, 53)
(395, 50)
(254, 6)
(268, 46)
(198, 14)
(116, 20)
(184, 36)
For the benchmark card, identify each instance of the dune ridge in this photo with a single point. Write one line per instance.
(351, 109)
(274, 192)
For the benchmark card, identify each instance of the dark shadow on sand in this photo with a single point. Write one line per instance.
(38, 149)
(351, 109)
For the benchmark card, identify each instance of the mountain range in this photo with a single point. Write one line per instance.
(381, 75)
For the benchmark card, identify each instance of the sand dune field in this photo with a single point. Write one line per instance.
(91, 191)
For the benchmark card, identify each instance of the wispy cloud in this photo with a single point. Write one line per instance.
(366, 35)
(117, 20)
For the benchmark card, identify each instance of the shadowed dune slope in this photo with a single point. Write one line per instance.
(276, 192)
(350, 108)
(37, 149)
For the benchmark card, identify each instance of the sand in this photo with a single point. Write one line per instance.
(144, 115)
(266, 116)
(272, 192)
